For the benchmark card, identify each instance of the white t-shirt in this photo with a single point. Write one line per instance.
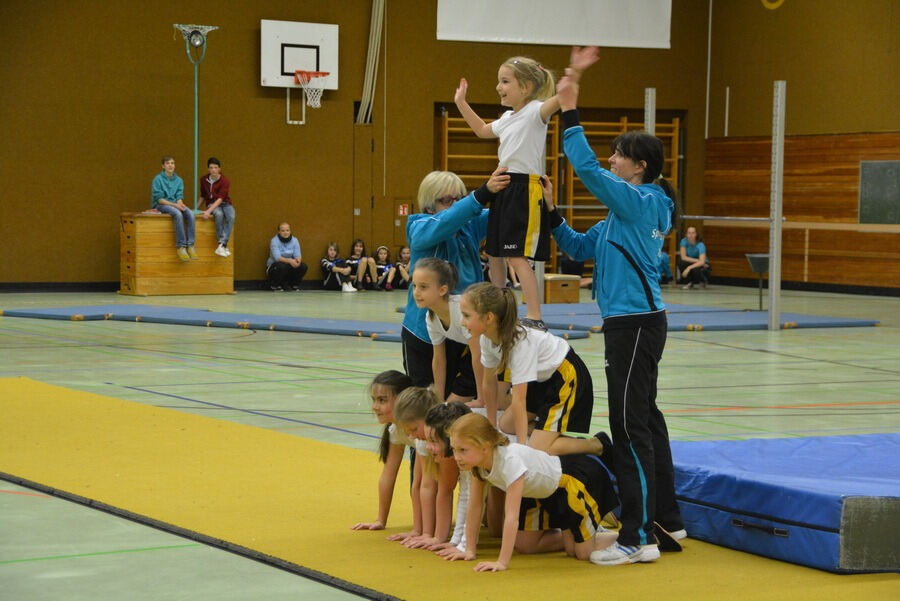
(534, 357)
(398, 437)
(523, 139)
(542, 471)
(455, 331)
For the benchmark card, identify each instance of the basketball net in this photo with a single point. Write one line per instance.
(311, 82)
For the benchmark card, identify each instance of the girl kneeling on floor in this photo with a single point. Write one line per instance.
(384, 390)
(550, 382)
(544, 494)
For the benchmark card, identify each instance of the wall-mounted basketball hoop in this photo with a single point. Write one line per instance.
(312, 83)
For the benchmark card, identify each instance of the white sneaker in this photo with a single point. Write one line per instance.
(617, 554)
(649, 553)
(220, 250)
(227, 252)
(679, 534)
(347, 287)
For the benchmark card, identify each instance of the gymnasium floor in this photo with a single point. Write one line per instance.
(713, 385)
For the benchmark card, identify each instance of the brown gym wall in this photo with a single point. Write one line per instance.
(94, 93)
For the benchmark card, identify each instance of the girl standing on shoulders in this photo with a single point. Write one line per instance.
(549, 380)
(517, 227)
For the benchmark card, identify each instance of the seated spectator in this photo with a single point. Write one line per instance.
(693, 264)
(362, 267)
(336, 274)
(167, 196)
(398, 276)
(214, 190)
(284, 267)
(383, 268)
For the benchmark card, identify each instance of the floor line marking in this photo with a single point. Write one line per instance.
(250, 411)
(25, 494)
(99, 553)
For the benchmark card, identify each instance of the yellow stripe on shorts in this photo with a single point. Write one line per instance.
(535, 198)
(561, 411)
(583, 504)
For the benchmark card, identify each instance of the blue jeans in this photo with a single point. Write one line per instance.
(224, 215)
(184, 224)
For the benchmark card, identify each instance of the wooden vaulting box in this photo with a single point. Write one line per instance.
(149, 266)
(561, 288)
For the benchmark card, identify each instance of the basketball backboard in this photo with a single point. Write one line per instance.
(288, 46)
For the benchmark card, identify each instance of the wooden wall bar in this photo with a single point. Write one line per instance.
(822, 240)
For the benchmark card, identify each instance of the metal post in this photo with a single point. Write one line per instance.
(196, 131)
(775, 202)
(650, 110)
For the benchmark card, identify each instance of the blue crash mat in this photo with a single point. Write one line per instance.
(830, 502)
(202, 317)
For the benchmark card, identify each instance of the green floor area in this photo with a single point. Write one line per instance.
(712, 385)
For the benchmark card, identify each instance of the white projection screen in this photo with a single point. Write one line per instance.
(620, 23)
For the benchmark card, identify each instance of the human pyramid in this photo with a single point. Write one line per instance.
(490, 401)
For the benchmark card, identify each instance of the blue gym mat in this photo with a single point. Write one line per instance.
(203, 317)
(714, 320)
(578, 316)
(690, 318)
(381, 331)
(830, 502)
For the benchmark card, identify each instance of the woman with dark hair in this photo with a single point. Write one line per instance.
(693, 264)
(625, 248)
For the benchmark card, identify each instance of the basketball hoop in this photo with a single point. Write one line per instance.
(311, 82)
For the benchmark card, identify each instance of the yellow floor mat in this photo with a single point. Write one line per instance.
(290, 501)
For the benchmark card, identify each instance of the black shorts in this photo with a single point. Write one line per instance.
(585, 495)
(460, 374)
(564, 402)
(517, 222)
(417, 356)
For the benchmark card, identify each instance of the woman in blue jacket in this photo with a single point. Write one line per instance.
(625, 248)
(451, 226)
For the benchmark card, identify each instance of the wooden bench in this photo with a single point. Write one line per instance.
(149, 266)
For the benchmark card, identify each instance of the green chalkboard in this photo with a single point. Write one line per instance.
(879, 192)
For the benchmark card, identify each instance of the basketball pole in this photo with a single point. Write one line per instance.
(776, 190)
(195, 36)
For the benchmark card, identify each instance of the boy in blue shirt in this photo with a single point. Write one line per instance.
(167, 196)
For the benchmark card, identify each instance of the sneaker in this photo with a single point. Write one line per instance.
(687, 286)
(617, 554)
(183, 254)
(603, 538)
(679, 534)
(537, 324)
(649, 553)
(347, 287)
(220, 250)
(192, 253)
(227, 252)
(276, 288)
(297, 288)
(388, 287)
